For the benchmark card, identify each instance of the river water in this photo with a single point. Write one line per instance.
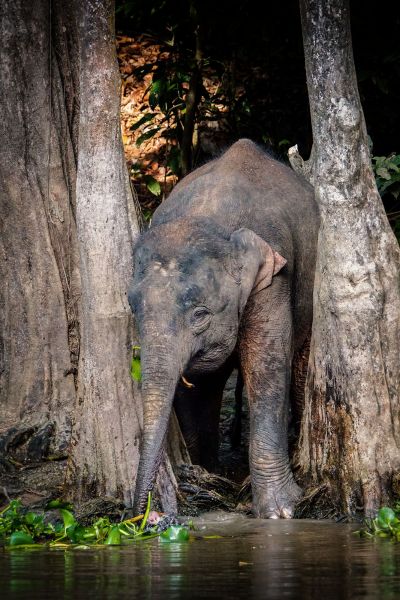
(254, 559)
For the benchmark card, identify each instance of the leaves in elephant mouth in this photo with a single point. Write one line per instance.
(136, 369)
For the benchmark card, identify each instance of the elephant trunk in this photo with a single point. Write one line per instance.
(161, 370)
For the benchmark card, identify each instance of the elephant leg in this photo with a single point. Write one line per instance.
(236, 429)
(265, 356)
(198, 411)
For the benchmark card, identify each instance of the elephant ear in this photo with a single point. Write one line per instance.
(253, 263)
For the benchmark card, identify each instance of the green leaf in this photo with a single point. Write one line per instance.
(114, 537)
(174, 160)
(68, 518)
(12, 509)
(386, 517)
(136, 369)
(157, 89)
(383, 172)
(74, 533)
(146, 136)
(58, 529)
(144, 119)
(152, 185)
(30, 518)
(146, 514)
(382, 187)
(59, 503)
(20, 538)
(79, 534)
(175, 533)
(391, 165)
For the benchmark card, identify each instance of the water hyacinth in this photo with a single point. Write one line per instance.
(386, 524)
(22, 528)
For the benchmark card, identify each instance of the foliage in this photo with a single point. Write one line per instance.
(256, 66)
(386, 524)
(137, 173)
(259, 62)
(175, 534)
(165, 112)
(20, 527)
(387, 174)
(230, 95)
(136, 369)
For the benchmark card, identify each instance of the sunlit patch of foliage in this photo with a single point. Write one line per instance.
(23, 528)
(385, 525)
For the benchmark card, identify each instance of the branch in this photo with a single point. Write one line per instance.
(304, 168)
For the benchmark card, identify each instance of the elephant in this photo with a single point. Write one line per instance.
(223, 278)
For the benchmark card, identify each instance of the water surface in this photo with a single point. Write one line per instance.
(255, 559)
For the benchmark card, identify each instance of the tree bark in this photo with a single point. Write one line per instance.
(105, 448)
(68, 223)
(350, 432)
(39, 275)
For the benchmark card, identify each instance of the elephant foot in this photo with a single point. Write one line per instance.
(278, 502)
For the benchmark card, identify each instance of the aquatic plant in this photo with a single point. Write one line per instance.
(386, 524)
(21, 527)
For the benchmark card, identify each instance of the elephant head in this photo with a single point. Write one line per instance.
(190, 287)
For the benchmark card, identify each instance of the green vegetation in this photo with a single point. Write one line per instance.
(386, 524)
(175, 533)
(387, 173)
(136, 369)
(23, 528)
(387, 176)
(256, 67)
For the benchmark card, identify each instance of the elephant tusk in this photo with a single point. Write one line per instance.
(187, 383)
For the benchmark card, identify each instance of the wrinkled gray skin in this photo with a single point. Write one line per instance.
(224, 277)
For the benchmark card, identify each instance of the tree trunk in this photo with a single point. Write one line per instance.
(66, 258)
(38, 267)
(350, 432)
(105, 448)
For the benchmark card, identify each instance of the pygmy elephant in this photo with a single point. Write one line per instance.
(224, 277)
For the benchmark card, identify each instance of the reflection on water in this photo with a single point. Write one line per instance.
(254, 559)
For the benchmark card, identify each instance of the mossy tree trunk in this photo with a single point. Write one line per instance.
(350, 433)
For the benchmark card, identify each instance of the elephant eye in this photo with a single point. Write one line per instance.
(200, 317)
(200, 313)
